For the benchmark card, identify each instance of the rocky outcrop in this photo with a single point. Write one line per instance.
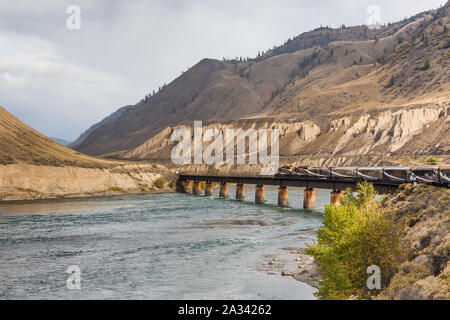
(307, 271)
(293, 135)
(424, 215)
(334, 140)
(387, 132)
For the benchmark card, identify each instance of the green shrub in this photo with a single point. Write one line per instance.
(355, 236)
(432, 161)
(159, 183)
(172, 185)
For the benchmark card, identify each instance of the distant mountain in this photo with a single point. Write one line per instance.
(324, 73)
(118, 113)
(62, 142)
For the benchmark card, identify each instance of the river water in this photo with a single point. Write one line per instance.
(162, 246)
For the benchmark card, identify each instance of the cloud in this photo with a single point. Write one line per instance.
(61, 81)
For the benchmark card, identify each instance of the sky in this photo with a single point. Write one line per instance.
(61, 72)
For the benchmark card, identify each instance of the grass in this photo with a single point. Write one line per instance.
(117, 189)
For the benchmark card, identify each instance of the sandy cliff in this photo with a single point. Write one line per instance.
(32, 166)
(22, 181)
(368, 138)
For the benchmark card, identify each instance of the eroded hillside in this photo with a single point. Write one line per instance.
(351, 74)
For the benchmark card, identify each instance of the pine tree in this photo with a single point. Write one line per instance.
(392, 81)
(426, 65)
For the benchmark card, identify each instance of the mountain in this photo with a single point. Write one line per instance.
(62, 142)
(118, 113)
(342, 84)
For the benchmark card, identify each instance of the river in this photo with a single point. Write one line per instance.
(158, 246)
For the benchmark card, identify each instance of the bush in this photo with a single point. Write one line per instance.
(432, 161)
(159, 183)
(355, 236)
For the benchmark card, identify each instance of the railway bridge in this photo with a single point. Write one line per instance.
(384, 179)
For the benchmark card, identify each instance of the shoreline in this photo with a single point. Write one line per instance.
(28, 182)
(84, 196)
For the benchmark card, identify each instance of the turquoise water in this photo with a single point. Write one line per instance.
(169, 246)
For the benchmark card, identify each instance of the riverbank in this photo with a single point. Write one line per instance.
(422, 214)
(27, 182)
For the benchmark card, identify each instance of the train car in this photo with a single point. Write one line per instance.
(433, 175)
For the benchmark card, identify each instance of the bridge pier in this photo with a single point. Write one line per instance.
(223, 190)
(336, 197)
(197, 190)
(209, 189)
(309, 198)
(259, 193)
(283, 196)
(187, 186)
(240, 191)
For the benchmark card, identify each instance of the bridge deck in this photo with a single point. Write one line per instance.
(382, 186)
(384, 179)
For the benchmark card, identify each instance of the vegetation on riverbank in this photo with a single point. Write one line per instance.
(405, 235)
(355, 236)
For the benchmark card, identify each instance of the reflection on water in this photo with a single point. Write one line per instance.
(49, 206)
(170, 246)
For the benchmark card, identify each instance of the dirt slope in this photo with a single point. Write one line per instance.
(21, 143)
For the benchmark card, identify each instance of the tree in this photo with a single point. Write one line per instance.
(353, 237)
(392, 81)
(426, 65)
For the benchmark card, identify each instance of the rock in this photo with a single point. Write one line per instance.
(307, 271)
(287, 273)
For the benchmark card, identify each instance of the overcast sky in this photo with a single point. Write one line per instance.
(61, 81)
